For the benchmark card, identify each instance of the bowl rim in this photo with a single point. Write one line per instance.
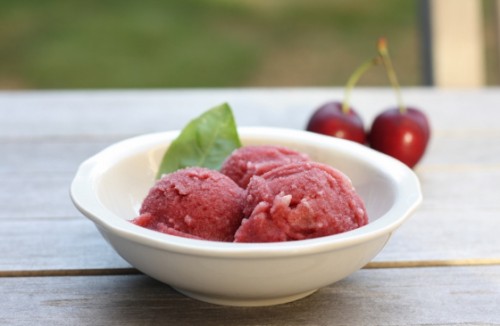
(84, 197)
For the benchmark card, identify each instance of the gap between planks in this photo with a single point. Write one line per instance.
(70, 272)
(133, 271)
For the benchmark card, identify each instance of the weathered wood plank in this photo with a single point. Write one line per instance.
(134, 112)
(36, 195)
(49, 154)
(56, 154)
(45, 135)
(445, 190)
(55, 243)
(455, 221)
(412, 296)
(462, 149)
(44, 179)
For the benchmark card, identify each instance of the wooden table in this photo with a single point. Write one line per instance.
(440, 267)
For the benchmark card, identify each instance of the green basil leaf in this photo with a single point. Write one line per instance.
(205, 142)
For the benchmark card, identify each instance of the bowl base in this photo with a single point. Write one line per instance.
(239, 302)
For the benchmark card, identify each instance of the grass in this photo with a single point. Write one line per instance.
(200, 43)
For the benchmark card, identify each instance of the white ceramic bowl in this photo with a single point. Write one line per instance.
(110, 186)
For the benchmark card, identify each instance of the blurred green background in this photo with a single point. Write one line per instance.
(63, 44)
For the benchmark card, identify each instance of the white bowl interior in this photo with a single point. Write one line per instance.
(123, 186)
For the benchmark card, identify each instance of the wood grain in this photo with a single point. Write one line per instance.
(455, 221)
(440, 267)
(54, 244)
(133, 112)
(413, 296)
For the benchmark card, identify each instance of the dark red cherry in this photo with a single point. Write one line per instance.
(332, 120)
(402, 134)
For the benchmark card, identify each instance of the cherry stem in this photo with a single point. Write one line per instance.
(391, 72)
(354, 78)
